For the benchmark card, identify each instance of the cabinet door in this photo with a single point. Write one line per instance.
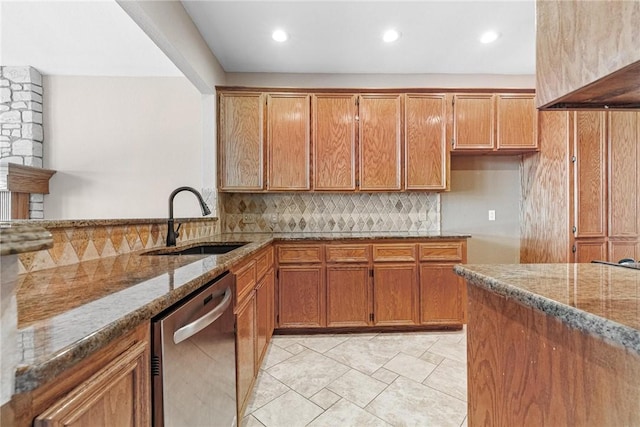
(334, 142)
(301, 297)
(426, 154)
(624, 174)
(245, 350)
(241, 141)
(590, 250)
(395, 294)
(590, 191)
(442, 295)
(118, 395)
(473, 121)
(288, 121)
(348, 295)
(380, 142)
(264, 315)
(623, 249)
(517, 122)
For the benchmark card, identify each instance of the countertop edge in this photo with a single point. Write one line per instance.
(589, 323)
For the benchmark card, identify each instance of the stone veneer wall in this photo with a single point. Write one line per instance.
(21, 132)
(324, 212)
(75, 242)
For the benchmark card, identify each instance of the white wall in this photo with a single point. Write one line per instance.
(170, 27)
(480, 183)
(121, 145)
(382, 80)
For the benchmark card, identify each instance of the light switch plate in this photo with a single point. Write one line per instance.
(492, 215)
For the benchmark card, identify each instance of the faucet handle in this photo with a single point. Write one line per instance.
(178, 230)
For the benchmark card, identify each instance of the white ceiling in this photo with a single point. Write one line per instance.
(78, 38)
(96, 37)
(345, 36)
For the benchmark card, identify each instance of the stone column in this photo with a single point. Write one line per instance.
(21, 132)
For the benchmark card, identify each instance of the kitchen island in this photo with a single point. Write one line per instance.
(553, 344)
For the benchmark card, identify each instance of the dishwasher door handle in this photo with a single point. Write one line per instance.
(199, 324)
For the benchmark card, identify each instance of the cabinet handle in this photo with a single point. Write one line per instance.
(199, 324)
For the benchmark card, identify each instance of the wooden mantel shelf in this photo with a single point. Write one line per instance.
(28, 179)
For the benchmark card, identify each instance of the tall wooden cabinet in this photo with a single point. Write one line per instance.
(334, 141)
(585, 178)
(380, 138)
(288, 141)
(426, 150)
(241, 149)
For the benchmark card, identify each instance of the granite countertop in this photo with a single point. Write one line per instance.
(67, 313)
(602, 300)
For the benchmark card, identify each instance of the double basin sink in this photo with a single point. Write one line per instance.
(205, 249)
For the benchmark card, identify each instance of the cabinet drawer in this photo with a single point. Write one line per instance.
(264, 261)
(296, 254)
(446, 251)
(348, 253)
(394, 252)
(245, 280)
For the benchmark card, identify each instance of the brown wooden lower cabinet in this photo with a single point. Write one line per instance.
(264, 315)
(443, 295)
(395, 294)
(301, 296)
(245, 350)
(379, 284)
(117, 395)
(111, 387)
(589, 250)
(348, 295)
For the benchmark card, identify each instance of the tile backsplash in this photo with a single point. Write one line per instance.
(329, 212)
(87, 240)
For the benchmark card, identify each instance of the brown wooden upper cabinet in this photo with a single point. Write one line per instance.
(473, 116)
(426, 150)
(516, 122)
(487, 122)
(288, 141)
(334, 141)
(241, 141)
(380, 142)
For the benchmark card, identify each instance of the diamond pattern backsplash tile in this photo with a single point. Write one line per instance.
(321, 212)
(73, 244)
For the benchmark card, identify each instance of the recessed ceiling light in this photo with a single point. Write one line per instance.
(390, 36)
(489, 37)
(280, 36)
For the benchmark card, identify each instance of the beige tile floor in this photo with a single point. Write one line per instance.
(342, 380)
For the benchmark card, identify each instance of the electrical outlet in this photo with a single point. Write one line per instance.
(274, 218)
(423, 215)
(248, 219)
(492, 215)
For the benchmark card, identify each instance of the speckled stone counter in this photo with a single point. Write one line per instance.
(553, 344)
(598, 299)
(69, 312)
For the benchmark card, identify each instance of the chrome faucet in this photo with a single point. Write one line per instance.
(171, 233)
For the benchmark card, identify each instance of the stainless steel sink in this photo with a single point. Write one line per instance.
(208, 249)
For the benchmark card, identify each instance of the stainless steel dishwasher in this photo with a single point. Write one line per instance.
(193, 362)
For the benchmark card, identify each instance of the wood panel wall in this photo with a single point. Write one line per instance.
(544, 234)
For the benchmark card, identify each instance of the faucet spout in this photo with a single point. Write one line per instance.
(172, 234)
